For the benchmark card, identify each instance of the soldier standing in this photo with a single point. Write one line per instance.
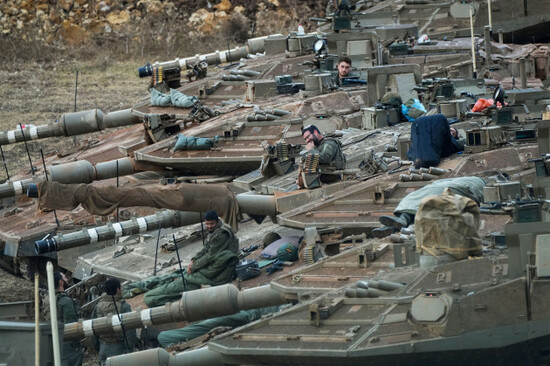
(72, 354)
(113, 304)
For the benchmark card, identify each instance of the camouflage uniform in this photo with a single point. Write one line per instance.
(330, 153)
(113, 345)
(67, 312)
(213, 265)
(331, 158)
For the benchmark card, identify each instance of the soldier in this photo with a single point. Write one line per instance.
(405, 212)
(213, 265)
(109, 305)
(72, 354)
(172, 337)
(329, 150)
(344, 67)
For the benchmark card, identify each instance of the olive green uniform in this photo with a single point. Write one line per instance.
(67, 312)
(213, 265)
(170, 337)
(113, 345)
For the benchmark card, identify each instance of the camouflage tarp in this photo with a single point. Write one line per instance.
(448, 224)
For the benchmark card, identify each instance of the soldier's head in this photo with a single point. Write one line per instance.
(344, 66)
(60, 281)
(211, 220)
(112, 285)
(454, 132)
(311, 133)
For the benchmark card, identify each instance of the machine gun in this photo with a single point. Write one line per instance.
(159, 127)
(198, 71)
(279, 159)
(163, 77)
(521, 211)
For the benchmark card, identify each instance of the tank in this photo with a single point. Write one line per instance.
(357, 299)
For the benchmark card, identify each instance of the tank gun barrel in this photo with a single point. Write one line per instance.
(72, 124)
(261, 205)
(161, 219)
(160, 357)
(194, 305)
(81, 171)
(251, 47)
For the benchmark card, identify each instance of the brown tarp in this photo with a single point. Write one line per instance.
(448, 223)
(104, 200)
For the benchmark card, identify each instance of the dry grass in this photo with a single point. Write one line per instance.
(41, 93)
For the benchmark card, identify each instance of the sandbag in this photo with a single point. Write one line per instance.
(194, 143)
(181, 100)
(159, 99)
(447, 224)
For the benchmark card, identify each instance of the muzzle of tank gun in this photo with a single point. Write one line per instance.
(32, 190)
(46, 245)
(145, 71)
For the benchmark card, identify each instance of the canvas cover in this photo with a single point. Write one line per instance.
(105, 200)
(447, 224)
(471, 187)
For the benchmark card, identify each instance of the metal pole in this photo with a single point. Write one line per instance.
(53, 315)
(490, 17)
(75, 89)
(522, 73)
(36, 321)
(473, 46)
(157, 252)
(487, 42)
(27, 148)
(4, 162)
(202, 229)
(46, 175)
(117, 187)
(179, 262)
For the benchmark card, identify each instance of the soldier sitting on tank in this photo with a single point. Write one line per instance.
(329, 150)
(404, 213)
(67, 312)
(213, 265)
(112, 304)
(344, 68)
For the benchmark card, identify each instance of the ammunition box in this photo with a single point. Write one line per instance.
(374, 118)
(399, 49)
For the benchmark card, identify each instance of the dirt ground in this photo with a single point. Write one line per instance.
(37, 94)
(40, 93)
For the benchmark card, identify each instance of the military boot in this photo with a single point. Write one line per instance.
(383, 231)
(400, 221)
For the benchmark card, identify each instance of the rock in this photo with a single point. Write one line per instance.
(12, 11)
(73, 34)
(42, 7)
(65, 4)
(225, 5)
(118, 17)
